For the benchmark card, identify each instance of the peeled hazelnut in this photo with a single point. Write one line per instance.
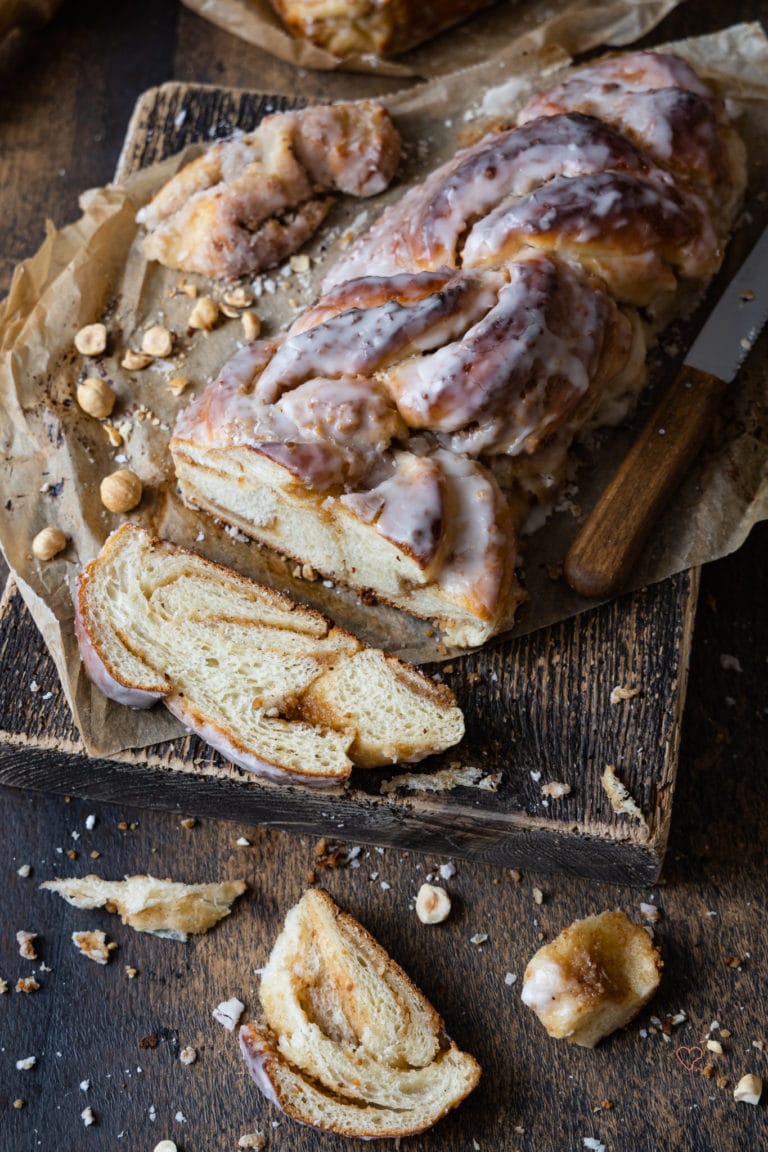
(135, 361)
(121, 491)
(204, 314)
(91, 340)
(157, 341)
(433, 904)
(48, 543)
(749, 1089)
(96, 397)
(251, 325)
(238, 298)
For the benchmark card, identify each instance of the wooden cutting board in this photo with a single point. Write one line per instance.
(537, 709)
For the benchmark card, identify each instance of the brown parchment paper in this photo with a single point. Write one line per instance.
(508, 26)
(54, 456)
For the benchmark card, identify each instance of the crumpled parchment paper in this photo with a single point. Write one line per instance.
(53, 456)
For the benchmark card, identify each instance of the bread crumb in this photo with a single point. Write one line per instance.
(26, 947)
(228, 1013)
(556, 789)
(24, 871)
(93, 945)
(623, 692)
(188, 1055)
(27, 984)
(444, 780)
(538, 896)
(619, 796)
(87, 1116)
(25, 1064)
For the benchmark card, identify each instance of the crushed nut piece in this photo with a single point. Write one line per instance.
(516, 876)
(27, 984)
(48, 543)
(121, 491)
(26, 1064)
(722, 1081)
(649, 912)
(115, 438)
(148, 1041)
(93, 945)
(300, 263)
(131, 972)
(251, 325)
(24, 871)
(135, 361)
(433, 904)
(187, 288)
(204, 314)
(3, 986)
(87, 1116)
(26, 947)
(715, 1046)
(749, 1089)
(538, 896)
(189, 822)
(157, 341)
(95, 397)
(178, 384)
(18, 1104)
(71, 854)
(479, 938)
(252, 1140)
(188, 1055)
(91, 340)
(238, 298)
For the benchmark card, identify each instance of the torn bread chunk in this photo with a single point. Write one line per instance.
(163, 907)
(348, 1044)
(249, 202)
(594, 978)
(274, 687)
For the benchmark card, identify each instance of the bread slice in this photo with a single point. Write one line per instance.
(594, 978)
(275, 687)
(348, 1044)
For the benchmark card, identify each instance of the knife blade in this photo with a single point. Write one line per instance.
(603, 555)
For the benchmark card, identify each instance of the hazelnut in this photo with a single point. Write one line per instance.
(96, 397)
(251, 325)
(204, 314)
(238, 298)
(433, 904)
(749, 1089)
(135, 361)
(48, 543)
(178, 384)
(121, 491)
(91, 340)
(157, 341)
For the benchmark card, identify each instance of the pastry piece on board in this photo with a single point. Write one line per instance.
(274, 687)
(250, 201)
(348, 1044)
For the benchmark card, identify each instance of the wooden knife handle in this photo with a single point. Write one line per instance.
(601, 558)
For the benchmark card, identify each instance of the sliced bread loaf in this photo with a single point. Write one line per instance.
(275, 687)
(348, 1043)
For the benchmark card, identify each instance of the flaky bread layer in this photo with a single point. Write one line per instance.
(234, 661)
(349, 1044)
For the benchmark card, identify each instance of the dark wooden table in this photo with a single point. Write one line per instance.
(66, 94)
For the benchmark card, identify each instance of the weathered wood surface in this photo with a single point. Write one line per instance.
(537, 709)
(65, 97)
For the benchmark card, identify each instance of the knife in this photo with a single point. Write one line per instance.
(603, 555)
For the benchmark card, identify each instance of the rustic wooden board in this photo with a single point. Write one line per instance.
(537, 705)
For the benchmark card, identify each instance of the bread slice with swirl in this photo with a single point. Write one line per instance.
(274, 687)
(348, 1044)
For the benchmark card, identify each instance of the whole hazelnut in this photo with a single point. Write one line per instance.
(48, 543)
(91, 340)
(96, 397)
(433, 904)
(157, 341)
(121, 491)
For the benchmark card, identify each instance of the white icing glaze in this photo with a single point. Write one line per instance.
(543, 985)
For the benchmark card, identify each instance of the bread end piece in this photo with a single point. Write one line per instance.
(594, 978)
(349, 1045)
